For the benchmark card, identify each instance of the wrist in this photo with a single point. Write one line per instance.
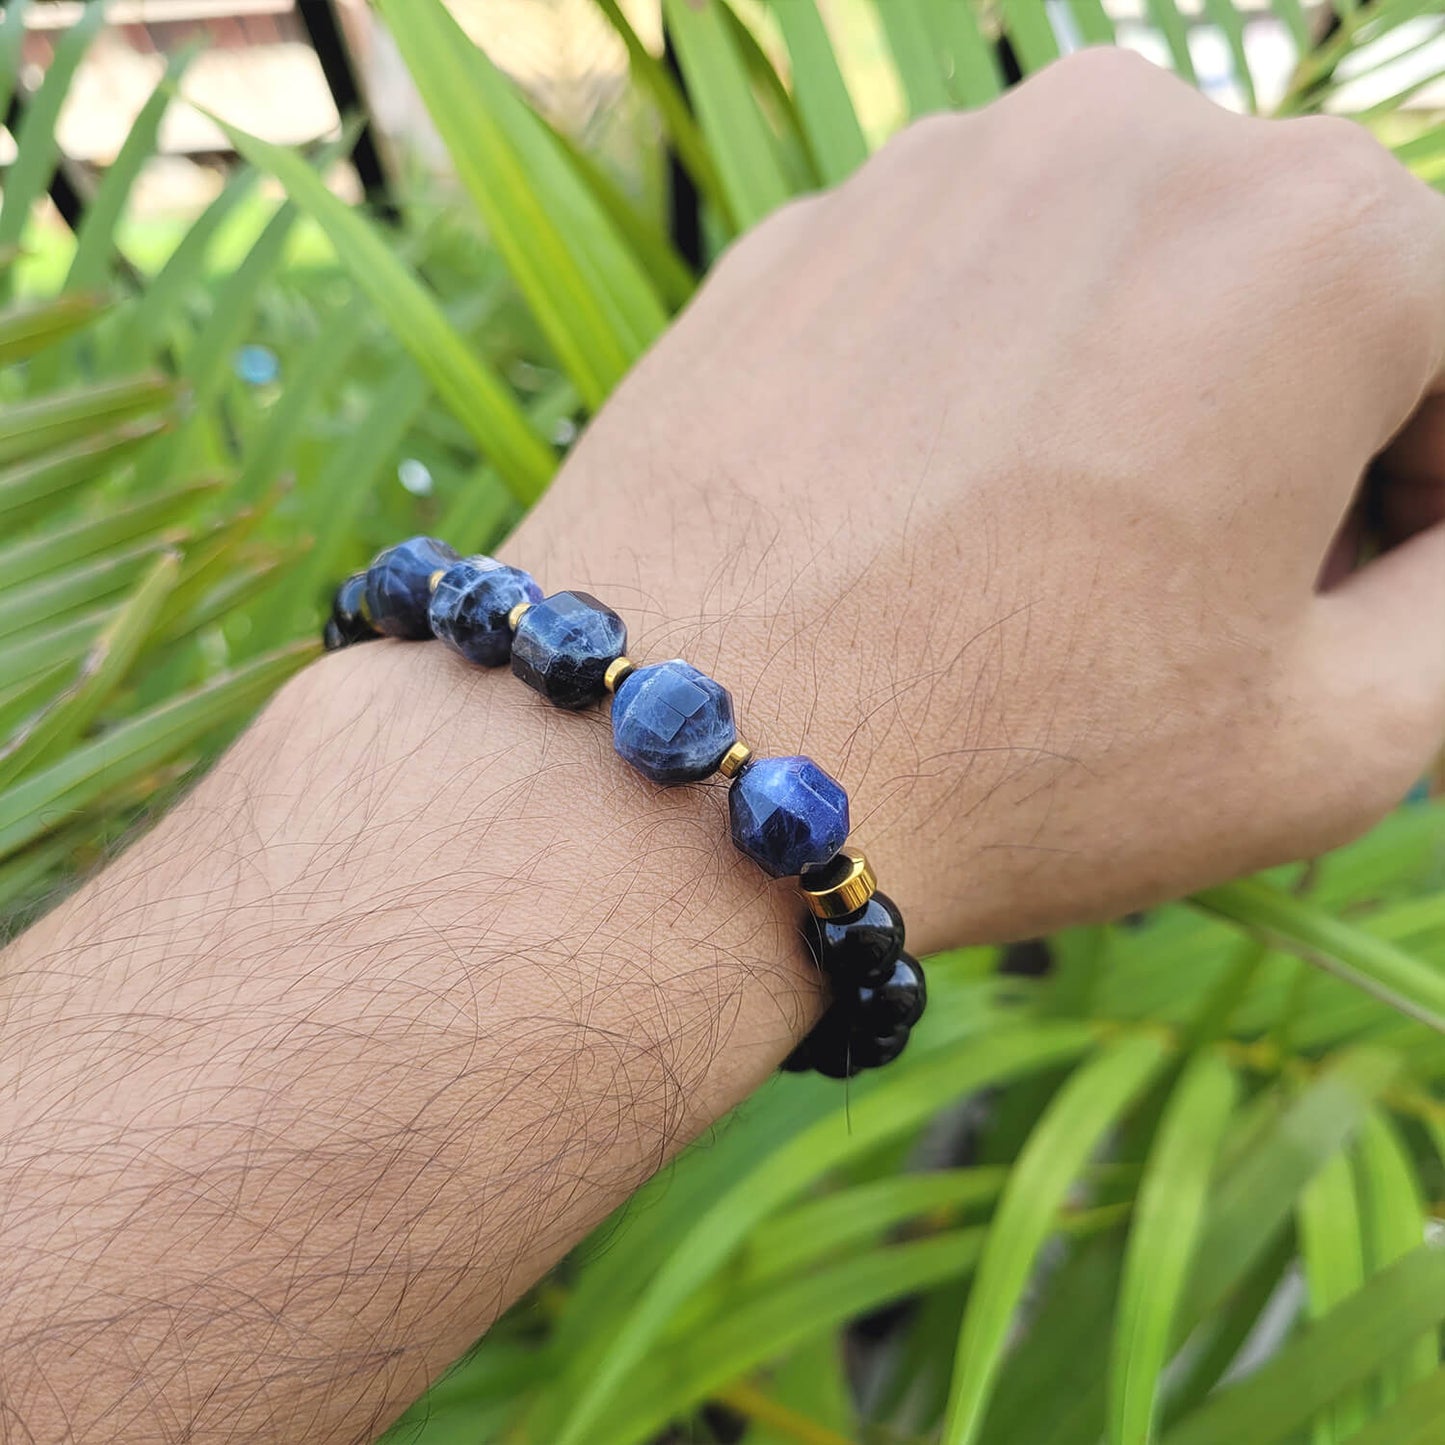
(672, 723)
(466, 802)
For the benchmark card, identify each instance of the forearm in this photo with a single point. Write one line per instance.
(302, 1091)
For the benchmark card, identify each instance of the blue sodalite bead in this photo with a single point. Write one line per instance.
(672, 722)
(397, 586)
(787, 814)
(470, 605)
(562, 647)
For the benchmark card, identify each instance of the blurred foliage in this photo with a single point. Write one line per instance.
(1172, 1179)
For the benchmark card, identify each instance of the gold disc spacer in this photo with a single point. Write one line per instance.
(735, 760)
(841, 886)
(617, 670)
(515, 615)
(431, 582)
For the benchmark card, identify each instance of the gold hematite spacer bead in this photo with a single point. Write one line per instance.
(735, 760)
(431, 582)
(617, 670)
(840, 887)
(515, 615)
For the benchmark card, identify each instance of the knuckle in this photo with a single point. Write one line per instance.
(928, 158)
(795, 217)
(771, 238)
(1102, 69)
(930, 141)
(1330, 799)
(1105, 82)
(1114, 117)
(1343, 179)
(1367, 236)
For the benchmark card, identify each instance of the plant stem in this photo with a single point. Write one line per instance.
(748, 1400)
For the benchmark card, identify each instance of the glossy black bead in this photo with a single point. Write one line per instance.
(800, 1061)
(898, 1001)
(841, 1047)
(398, 586)
(872, 1051)
(861, 948)
(830, 1047)
(347, 623)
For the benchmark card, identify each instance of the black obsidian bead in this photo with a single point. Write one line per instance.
(898, 1001)
(347, 623)
(829, 1048)
(398, 586)
(843, 1046)
(800, 1061)
(872, 1051)
(866, 1025)
(562, 647)
(861, 948)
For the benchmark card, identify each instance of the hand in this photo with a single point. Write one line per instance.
(1001, 481)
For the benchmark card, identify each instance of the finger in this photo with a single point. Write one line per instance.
(1384, 634)
(1344, 555)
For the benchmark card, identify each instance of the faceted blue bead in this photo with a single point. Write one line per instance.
(397, 590)
(562, 647)
(470, 605)
(787, 814)
(672, 722)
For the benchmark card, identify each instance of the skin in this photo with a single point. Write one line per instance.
(1002, 481)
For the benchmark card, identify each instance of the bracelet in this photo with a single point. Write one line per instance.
(675, 725)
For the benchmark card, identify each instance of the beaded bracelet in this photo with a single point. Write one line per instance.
(675, 725)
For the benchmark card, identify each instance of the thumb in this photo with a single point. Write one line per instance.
(1384, 632)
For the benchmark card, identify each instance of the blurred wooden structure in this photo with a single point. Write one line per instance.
(281, 69)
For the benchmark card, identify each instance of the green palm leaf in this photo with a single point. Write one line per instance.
(1069, 1131)
(745, 149)
(824, 107)
(476, 394)
(1334, 1267)
(593, 301)
(36, 148)
(1162, 1239)
(46, 799)
(1331, 1358)
(887, 1110)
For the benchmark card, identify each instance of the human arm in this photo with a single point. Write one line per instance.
(998, 481)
